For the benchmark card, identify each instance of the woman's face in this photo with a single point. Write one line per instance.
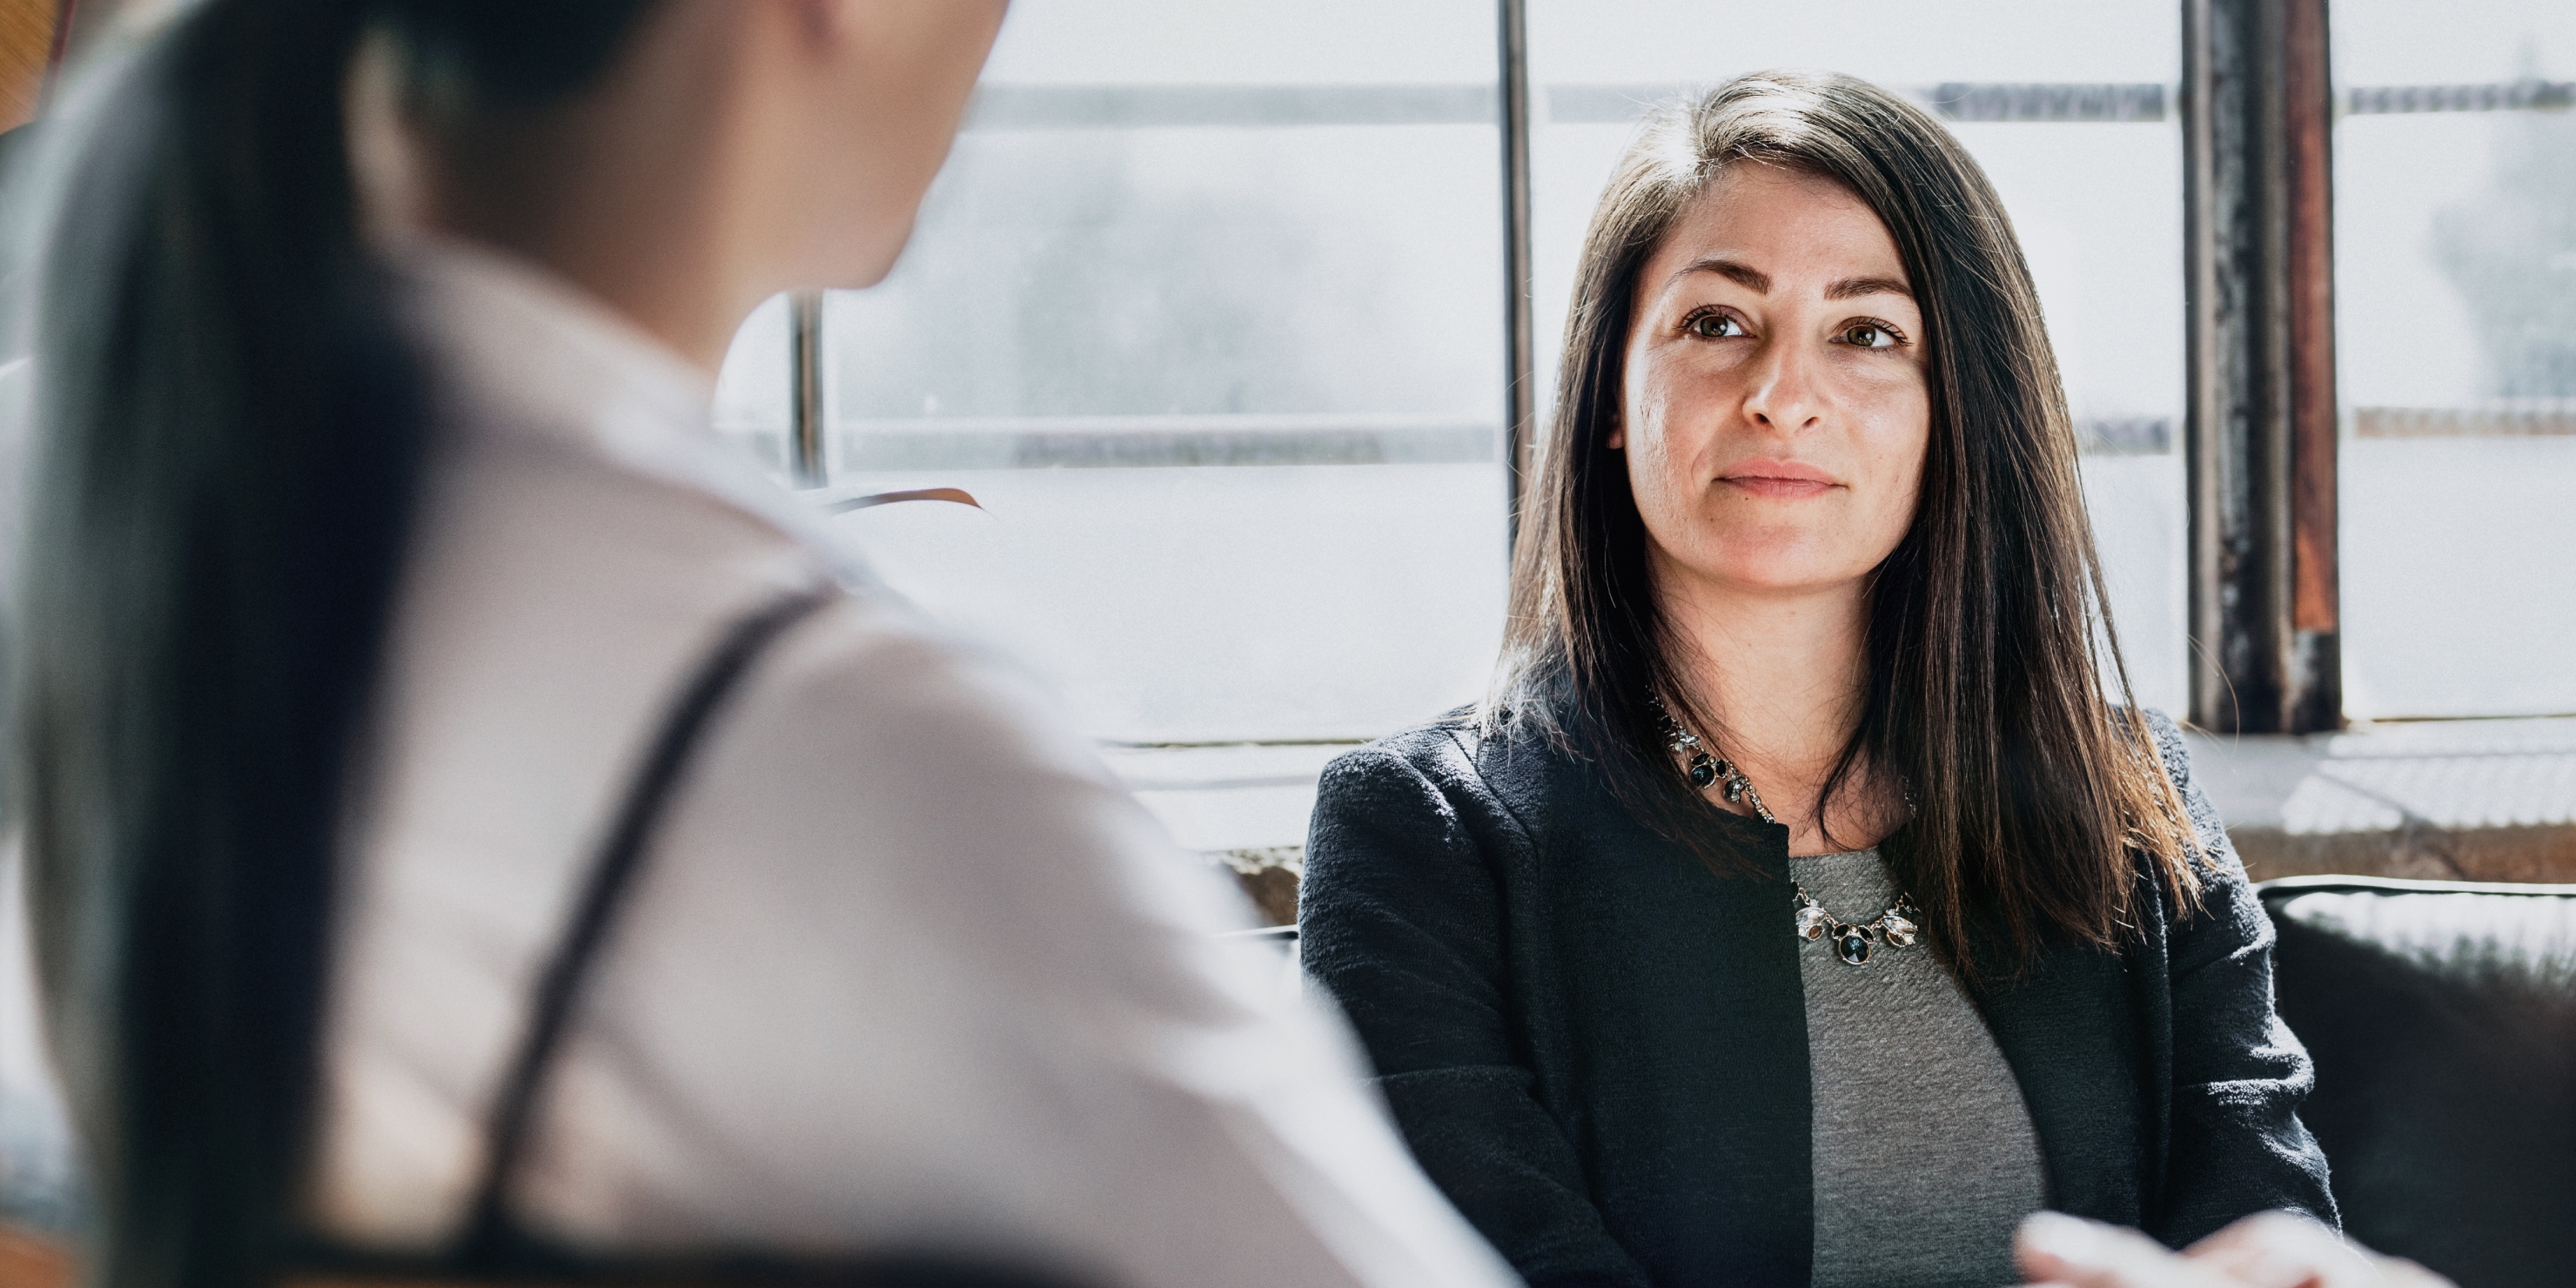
(885, 83)
(1775, 412)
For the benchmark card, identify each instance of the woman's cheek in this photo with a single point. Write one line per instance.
(1904, 487)
(1652, 449)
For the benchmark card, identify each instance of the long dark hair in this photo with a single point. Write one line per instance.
(230, 433)
(2034, 800)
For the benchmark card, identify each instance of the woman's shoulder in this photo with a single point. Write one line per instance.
(2166, 732)
(1427, 769)
(1461, 785)
(1466, 753)
(1446, 739)
(2174, 751)
(2224, 914)
(879, 682)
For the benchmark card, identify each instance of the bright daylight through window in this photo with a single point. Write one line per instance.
(2455, 301)
(1207, 312)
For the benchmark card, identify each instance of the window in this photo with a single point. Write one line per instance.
(1206, 310)
(2455, 307)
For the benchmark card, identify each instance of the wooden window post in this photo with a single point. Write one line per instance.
(2258, 121)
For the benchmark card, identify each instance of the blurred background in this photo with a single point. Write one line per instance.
(1209, 311)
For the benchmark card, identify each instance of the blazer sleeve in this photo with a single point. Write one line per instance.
(1402, 919)
(2239, 1074)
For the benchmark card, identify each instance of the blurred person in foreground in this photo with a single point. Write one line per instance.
(2267, 1250)
(1799, 909)
(387, 587)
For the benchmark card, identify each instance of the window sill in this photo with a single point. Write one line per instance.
(2460, 800)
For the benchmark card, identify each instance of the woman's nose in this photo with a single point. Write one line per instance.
(1783, 394)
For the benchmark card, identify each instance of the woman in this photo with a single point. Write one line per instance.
(479, 825)
(1797, 910)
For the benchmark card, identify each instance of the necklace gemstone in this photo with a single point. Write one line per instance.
(1854, 941)
(1900, 932)
(1853, 946)
(1813, 922)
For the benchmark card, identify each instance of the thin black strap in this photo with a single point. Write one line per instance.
(491, 1240)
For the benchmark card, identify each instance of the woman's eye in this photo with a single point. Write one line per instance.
(1715, 326)
(1868, 335)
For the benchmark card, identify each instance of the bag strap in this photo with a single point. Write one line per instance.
(491, 1240)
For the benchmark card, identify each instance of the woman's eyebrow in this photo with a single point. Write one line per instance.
(1759, 282)
(1855, 287)
(1749, 277)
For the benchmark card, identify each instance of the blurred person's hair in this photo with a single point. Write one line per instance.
(1984, 690)
(231, 432)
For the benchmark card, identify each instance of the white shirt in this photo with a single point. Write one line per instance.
(907, 966)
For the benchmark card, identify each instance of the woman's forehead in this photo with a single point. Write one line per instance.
(1770, 228)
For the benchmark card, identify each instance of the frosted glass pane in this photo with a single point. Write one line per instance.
(1910, 42)
(2455, 295)
(1207, 311)
(752, 390)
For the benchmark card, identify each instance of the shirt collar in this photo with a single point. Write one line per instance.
(525, 352)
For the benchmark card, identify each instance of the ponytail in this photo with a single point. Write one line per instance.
(231, 433)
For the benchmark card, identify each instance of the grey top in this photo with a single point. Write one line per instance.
(1924, 1153)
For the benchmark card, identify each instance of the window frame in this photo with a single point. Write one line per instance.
(2261, 425)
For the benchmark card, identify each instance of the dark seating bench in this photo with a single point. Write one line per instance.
(2442, 1016)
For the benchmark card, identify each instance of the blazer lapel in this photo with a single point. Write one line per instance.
(2069, 1028)
(1708, 1048)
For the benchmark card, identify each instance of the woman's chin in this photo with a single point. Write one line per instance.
(1783, 579)
(1771, 564)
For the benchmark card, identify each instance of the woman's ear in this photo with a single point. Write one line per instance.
(1618, 439)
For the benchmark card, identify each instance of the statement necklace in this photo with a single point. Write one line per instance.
(1853, 941)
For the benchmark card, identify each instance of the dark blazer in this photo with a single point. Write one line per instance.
(1598, 1048)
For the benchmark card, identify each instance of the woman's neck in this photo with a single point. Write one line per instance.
(628, 191)
(678, 191)
(1782, 674)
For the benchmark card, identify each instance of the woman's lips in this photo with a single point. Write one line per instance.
(1783, 479)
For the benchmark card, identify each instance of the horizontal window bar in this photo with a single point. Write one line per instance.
(2124, 436)
(1961, 101)
(1124, 442)
(2513, 96)
(2520, 418)
(2071, 101)
(1141, 442)
(1153, 422)
(1117, 107)
(1596, 104)
(1092, 107)
(1096, 107)
(1952, 100)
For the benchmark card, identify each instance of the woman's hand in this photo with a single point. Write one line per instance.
(2266, 1250)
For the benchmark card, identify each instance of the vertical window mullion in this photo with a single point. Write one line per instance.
(1520, 374)
(2257, 118)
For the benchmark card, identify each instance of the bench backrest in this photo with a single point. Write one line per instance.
(2442, 1016)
